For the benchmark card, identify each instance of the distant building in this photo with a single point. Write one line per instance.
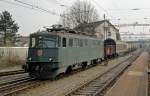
(102, 29)
(141, 44)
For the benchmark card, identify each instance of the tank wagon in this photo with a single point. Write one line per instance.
(57, 50)
(114, 48)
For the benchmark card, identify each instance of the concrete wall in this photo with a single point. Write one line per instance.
(14, 52)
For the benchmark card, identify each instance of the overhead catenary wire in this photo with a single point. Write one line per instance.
(30, 6)
(94, 1)
(12, 3)
(107, 13)
(37, 7)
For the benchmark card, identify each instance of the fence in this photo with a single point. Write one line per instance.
(19, 53)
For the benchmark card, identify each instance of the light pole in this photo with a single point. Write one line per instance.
(136, 9)
(119, 23)
(104, 27)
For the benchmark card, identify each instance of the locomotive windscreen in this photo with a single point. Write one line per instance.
(44, 42)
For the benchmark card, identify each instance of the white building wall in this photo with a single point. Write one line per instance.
(100, 31)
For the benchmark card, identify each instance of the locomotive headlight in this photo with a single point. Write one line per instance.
(50, 59)
(30, 59)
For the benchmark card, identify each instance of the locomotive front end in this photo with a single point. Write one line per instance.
(42, 60)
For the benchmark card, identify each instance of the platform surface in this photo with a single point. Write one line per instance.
(134, 82)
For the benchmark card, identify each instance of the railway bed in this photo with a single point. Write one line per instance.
(11, 72)
(62, 86)
(10, 78)
(20, 85)
(134, 81)
(149, 74)
(15, 86)
(97, 86)
(149, 84)
(13, 83)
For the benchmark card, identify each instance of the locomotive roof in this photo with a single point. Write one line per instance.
(110, 41)
(61, 32)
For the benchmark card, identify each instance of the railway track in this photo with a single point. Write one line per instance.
(149, 74)
(11, 72)
(97, 86)
(14, 81)
(148, 83)
(2, 83)
(14, 86)
(18, 85)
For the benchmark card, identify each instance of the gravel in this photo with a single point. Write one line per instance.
(64, 85)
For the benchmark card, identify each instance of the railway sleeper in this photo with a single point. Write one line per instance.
(87, 91)
(101, 81)
(83, 94)
(91, 88)
(98, 85)
(107, 78)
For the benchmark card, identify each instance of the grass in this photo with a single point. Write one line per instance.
(10, 62)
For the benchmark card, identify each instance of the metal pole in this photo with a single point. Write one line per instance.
(104, 27)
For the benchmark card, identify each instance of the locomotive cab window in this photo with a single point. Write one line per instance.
(47, 42)
(33, 42)
(44, 42)
(70, 42)
(64, 42)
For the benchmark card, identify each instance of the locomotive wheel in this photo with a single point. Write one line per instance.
(84, 65)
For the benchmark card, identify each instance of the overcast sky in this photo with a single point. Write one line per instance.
(30, 20)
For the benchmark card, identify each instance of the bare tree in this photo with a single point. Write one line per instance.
(80, 12)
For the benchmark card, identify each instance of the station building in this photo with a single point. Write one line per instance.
(102, 29)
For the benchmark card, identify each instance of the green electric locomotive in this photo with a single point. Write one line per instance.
(58, 50)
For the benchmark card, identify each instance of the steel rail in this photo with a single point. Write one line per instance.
(16, 86)
(13, 81)
(11, 72)
(96, 86)
(20, 85)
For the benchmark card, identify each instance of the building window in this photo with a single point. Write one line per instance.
(109, 33)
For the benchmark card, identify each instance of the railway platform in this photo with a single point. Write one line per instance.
(134, 82)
